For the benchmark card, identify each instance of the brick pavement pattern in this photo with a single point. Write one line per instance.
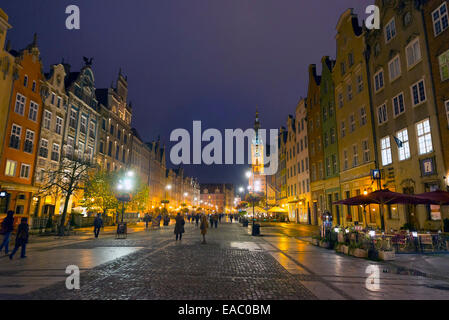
(230, 266)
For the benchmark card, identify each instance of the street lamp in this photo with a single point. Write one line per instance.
(125, 186)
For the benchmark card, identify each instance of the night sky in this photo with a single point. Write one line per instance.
(208, 60)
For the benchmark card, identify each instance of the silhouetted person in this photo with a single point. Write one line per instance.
(179, 226)
(98, 224)
(6, 230)
(21, 238)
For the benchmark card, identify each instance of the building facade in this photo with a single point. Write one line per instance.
(315, 137)
(407, 126)
(24, 115)
(354, 118)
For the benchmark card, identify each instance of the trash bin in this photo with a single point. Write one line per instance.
(256, 230)
(245, 223)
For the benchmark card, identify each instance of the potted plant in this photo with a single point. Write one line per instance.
(357, 250)
(387, 254)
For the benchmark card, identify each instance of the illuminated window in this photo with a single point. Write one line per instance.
(10, 169)
(424, 137)
(386, 151)
(443, 60)
(413, 52)
(404, 151)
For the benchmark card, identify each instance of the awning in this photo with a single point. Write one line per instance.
(278, 210)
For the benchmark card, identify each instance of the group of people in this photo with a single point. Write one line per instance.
(200, 220)
(7, 229)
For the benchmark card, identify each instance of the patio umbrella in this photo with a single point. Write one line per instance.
(382, 197)
(278, 210)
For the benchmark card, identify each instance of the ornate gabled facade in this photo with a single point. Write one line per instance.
(51, 134)
(257, 180)
(115, 135)
(158, 181)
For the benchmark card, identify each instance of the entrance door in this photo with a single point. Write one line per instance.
(315, 213)
(409, 208)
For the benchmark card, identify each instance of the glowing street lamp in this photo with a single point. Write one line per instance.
(125, 185)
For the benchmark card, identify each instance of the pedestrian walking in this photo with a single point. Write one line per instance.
(219, 217)
(215, 220)
(211, 220)
(146, 219)
(6, 229)
(179, 226)
(197, 219)
(231, 217)
(98, 224)
(204, 227)
(21, 238)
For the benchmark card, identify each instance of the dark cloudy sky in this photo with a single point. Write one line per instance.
(208, 60)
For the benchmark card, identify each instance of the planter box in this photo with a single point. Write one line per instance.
(386, 255)
(345, 249)
(315, 242)
(341, 237)
(360, 253)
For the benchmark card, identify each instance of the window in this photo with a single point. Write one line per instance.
(92, 130)
(103, 124)
(340, 100)
(413, 52)
(333, 137)
(313, 172)
(33, 87)
(16, 132)
(443, 60)
(355, 156)
(390, 30)
(334, 163)
(318, 144)
(378, 80)
(47, 119)
(362, 116)
(29, 141)
(59, 102)
(394, 67)
(398, 105)
(326, 140)
(328, 167)
(350, 59)
(58, 128)
(123, 156)
(331, 110)
(424, 137)
(349, 91)
(418, 91)
(342, 68)
(20, 104)
(25, 81)
(55, 152)
(32, 115)
(83, 125)
(70, 145)
(90, 152)
(359, 83)
(10, 169)
(386, 151)
(25, 171)
(111, 130)
(351, 123)
(382, 114)
(343, 129)
(324, 113)
(345, 159)
(101, 148)
(73, 118)
(43, 150)
(80, 149)
(403, 144)
(447, 111)
(440, 19)
(366, 153)
(110, 149)
(119, 134)
(53, 97)
(321, 170)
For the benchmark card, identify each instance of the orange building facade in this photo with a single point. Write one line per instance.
(22, 133)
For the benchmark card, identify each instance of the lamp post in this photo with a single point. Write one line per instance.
(125, 186)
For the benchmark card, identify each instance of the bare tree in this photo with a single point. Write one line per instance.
(71, 175)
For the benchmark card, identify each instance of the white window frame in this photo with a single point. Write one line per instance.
(355, 155)
(419, 95)
(10, 165)
(28, 170)
(59, 125)
(19, 107)
(404, 152)
(411, 64)
(424, 137)
(29, 136)
(384, 118)
(345, 160)
(392, 67)
(34, 111)
(47, 119)
(385, 146)
(343, 128)
(43, 145)
(366, 151)
(377, 75)
(439, 19)
(392, 25)
(363, 116)
(16, 130)
(352, 124)
(393, 103)
(55, 148)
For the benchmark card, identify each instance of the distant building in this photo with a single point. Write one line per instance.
(218, 197)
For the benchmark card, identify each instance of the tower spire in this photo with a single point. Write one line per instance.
(257, 122)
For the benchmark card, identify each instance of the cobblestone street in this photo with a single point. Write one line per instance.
(233, 265)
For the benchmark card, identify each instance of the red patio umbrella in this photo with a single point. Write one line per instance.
(383, 197)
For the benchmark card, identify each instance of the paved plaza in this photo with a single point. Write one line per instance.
(233, 265)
